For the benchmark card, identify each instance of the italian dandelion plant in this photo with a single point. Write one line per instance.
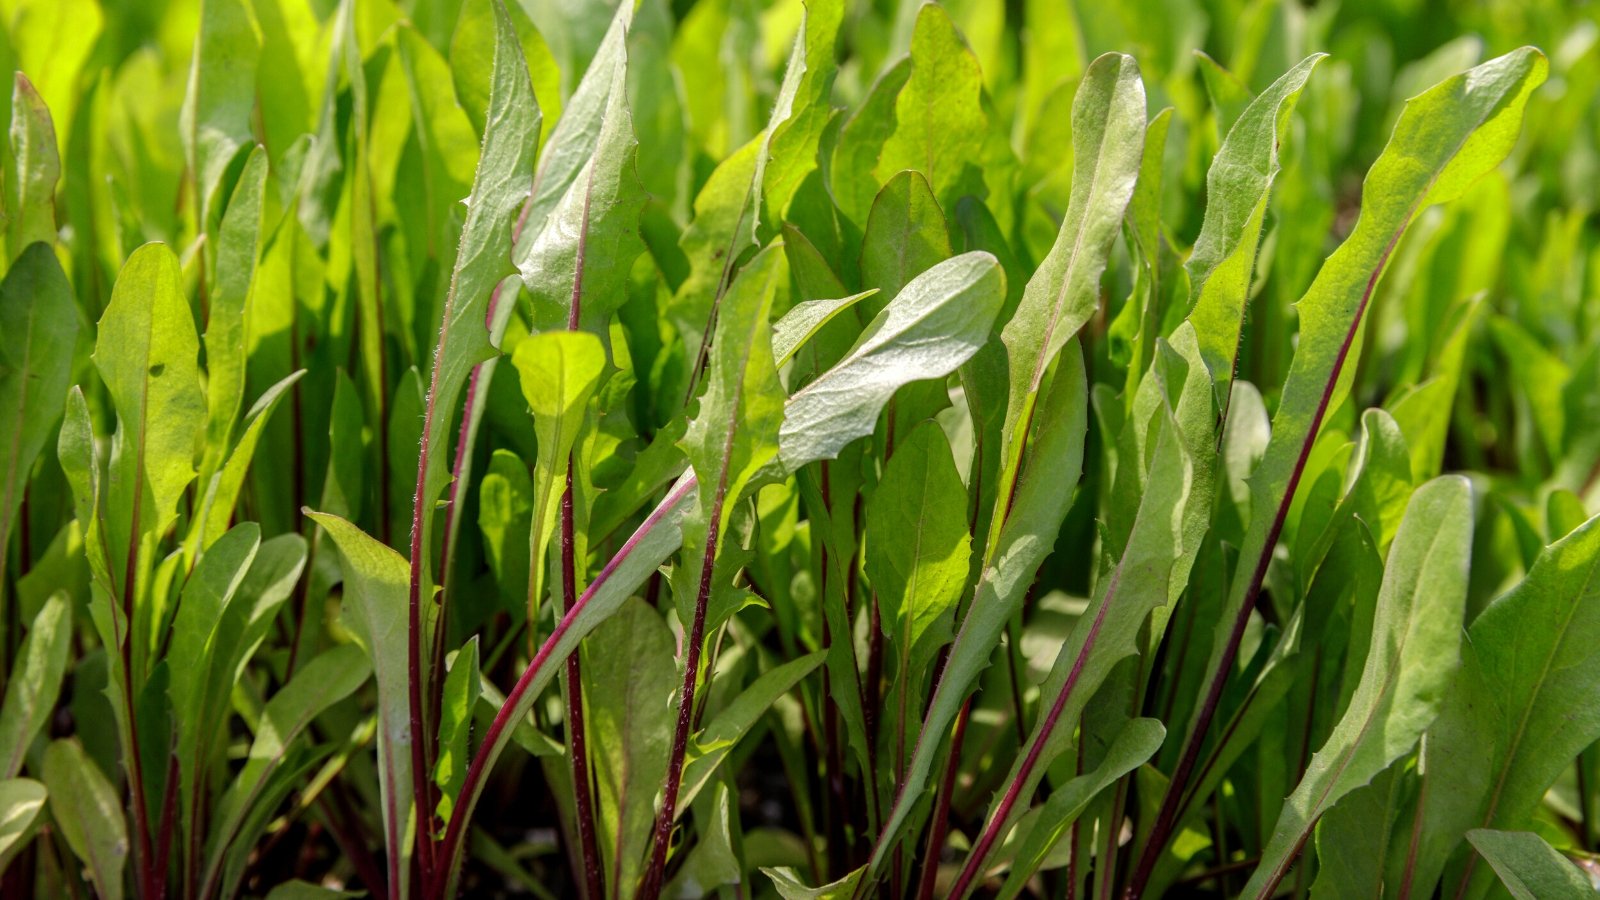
(799, 449)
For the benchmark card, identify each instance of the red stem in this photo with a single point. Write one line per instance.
(650, 886)
(494, 738)
(421, 789)
(578, 750)
(1166, 818)
(997, 821)
(940, 827)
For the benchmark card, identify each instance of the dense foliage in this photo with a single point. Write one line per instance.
(728, 447)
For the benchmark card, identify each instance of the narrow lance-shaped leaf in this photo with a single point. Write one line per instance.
(802, 322)
(1444, 140)
(40, 322)
(1108, 124)
(88, 812)
(483, 259)
(221, 494)
(375, 605)
(324, 681)
(730, 725)
(199, 688)
(1134, 744)
(80, 461)
(228, 311)
(1509, 725)
(505, 172)
(575, 140)
(30, 200)
(627, 672)
(1416, 646)
(1529, 867)
(458, 697)
(802, 109)
(1237, 187)
(215, 119)
(576, 264)
(35, 682)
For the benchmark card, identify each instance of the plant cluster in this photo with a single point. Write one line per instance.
(834, 449)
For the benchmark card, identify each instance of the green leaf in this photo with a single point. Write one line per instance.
(939, 118)
(936, 323)
(215, 120)
(1040, 831)
(576, 136)
(716, 241)
(21, 799)
(472, 59)
(1141, 582)
(1108, 124)
(892, 350)
(560, 371)
(35, 682)
(790, 887)
(628, 699)
(148, 355)
(1415, 652)
(1238, 185)
(30, 197)
(1529, 867)
(918, 547)
(458, 698)
(905, 235)
(801, 110)
(735, 432)
(88, 812)
(576, 258)
(505, 516)
(40, 322)
(222, 490)
(862, 139)
(325, 680)
(499, 189)
(1229, 96)
(80, 461)
(375, 609)
(727, 211)
(1509, 726)
(203, 637)
(228, 313)
(304, 890)
(730, 725)
(804, 320)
